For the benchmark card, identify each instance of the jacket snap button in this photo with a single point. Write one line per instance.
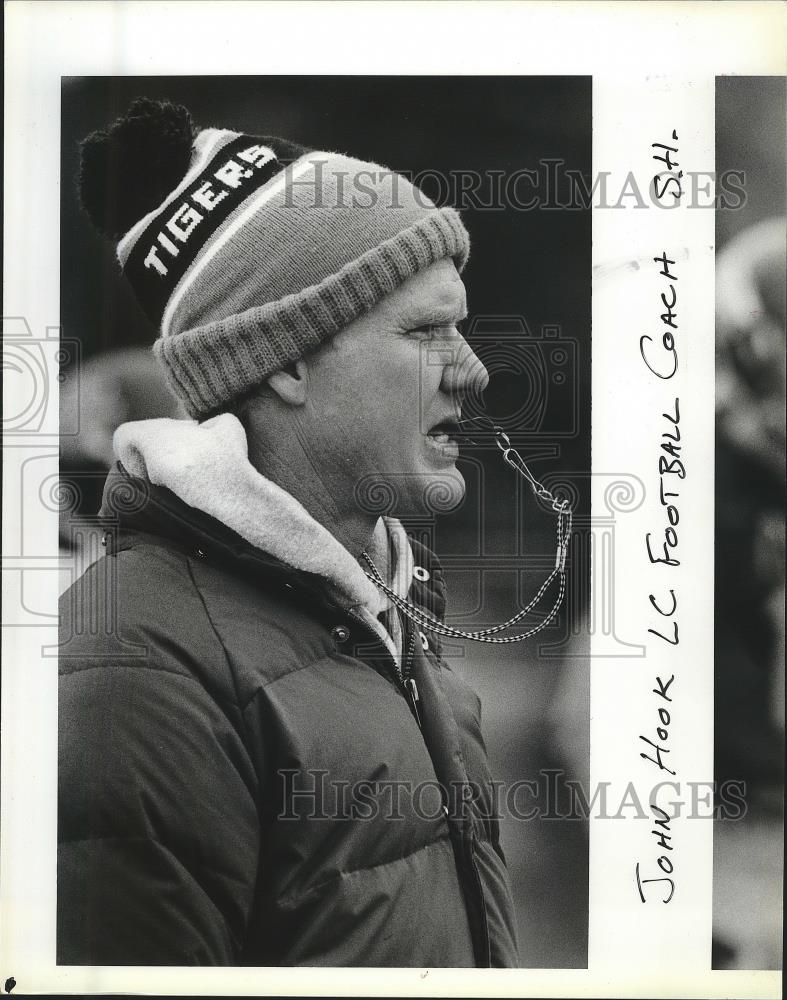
(424, 642)
(340, 634)
(420, 573)
(200, 554)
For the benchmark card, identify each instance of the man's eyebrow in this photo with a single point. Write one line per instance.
(438, 316)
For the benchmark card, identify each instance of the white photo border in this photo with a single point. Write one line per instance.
(653, 67)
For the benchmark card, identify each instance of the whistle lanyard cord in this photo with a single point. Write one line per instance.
(426, 621)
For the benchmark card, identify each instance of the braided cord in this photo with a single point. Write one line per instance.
(431, 624)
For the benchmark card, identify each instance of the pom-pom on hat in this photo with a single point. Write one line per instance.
(248, 252)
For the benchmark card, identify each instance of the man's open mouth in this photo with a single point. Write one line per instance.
(445, 432)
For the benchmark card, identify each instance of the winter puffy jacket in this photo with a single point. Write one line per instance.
(245, 777)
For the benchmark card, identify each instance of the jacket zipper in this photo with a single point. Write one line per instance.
(486, 959)
(410, 690)
(409, 682)
(401, 671)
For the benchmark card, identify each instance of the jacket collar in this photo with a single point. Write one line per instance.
(134, 510)
(207, 466)
(193, 484)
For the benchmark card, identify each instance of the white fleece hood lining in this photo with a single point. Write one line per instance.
(207, 466)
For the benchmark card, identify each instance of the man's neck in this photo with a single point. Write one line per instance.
(350, 527)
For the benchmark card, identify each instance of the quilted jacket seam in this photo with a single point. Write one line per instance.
(265, 684)
(292, 900)
(220, 641)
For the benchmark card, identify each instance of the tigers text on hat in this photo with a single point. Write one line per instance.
(259, 249)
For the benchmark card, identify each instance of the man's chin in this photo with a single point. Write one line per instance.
(443, 492)
(411, 494)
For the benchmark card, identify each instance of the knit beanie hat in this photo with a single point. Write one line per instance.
(247, 252)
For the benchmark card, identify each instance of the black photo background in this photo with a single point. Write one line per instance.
(528, 284)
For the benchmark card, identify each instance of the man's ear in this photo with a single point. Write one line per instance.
(290, 384)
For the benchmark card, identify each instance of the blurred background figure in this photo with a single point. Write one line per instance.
(750, 471)
(751, 387)
(106, 390)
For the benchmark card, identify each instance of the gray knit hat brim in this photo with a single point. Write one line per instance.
(213, 365)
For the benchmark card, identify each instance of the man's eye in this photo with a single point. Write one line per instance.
(443, 330)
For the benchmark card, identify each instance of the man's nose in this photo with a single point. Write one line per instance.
(464, 373)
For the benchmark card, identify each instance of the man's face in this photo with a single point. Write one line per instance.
(384, 396)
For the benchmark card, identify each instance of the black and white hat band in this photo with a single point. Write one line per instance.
(167, 245)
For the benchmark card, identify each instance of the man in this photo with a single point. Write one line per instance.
(261, 762)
